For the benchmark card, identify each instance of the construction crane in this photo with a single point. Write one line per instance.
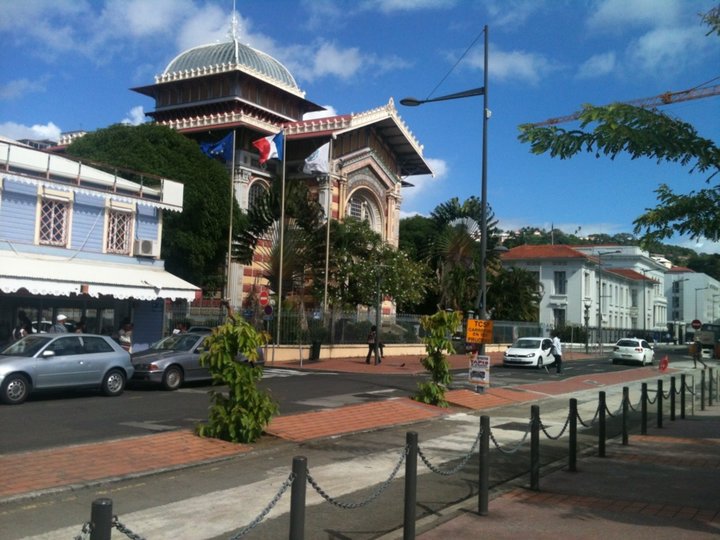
(666, 98)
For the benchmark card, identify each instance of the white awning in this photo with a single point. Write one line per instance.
(45, 275)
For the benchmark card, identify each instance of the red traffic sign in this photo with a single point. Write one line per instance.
(264, 298)
(696, 324)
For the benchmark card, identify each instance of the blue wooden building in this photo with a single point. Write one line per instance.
(84, 242)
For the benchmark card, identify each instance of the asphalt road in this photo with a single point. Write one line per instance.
(60, 418)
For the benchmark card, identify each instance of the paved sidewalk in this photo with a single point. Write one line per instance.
(661, 486)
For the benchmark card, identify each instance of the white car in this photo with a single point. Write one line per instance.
(633, 350)
(529, 351)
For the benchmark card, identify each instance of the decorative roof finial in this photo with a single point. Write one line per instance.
(234, 24)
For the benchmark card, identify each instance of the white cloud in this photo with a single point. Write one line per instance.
(20, 87)
(666, 48)
(424, 184)
(509, 65)
(135, 117)
(19, 131)
(329, 111)
(597, 66)
(615, 15)
(392, 6)
(515, 13)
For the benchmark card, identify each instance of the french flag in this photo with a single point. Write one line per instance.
(270, 147)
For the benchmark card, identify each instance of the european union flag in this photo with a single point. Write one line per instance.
(222, 149)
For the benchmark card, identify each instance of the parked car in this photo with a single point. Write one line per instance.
(633, 350)
(55, 361)
(529, 351)
(174, 360)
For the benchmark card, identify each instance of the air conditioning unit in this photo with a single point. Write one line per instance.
(145, 247)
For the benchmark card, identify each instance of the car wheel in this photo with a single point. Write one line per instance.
(114, 383)
(173, 378)
(15, 389)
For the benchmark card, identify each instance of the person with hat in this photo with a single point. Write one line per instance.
(59, 326)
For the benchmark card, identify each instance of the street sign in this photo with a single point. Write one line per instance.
(696, 324)
(479, 331)
(268, 310)
(264, 298)
(479, 374)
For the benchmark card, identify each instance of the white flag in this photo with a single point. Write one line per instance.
(317, 162)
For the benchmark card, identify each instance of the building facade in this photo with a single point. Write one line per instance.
(82, 242)
(212, 91)
(691, 296)
(617, 289)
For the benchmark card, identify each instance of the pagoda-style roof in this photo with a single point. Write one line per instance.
(387, 123)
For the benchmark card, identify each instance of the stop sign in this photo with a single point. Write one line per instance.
(264, 298)
(696, 324)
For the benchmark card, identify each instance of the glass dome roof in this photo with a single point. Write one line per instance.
(232, 52)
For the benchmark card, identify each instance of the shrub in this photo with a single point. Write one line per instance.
(244, 412)
(438, 341)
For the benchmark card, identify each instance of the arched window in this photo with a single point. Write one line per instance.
(360, 206)
(257, 190)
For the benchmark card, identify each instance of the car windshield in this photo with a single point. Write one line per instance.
(526, 344)
(627, 343)
(27, 346)
(178, 342)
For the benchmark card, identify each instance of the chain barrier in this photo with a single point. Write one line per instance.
(652, 401)
(455, 469)
(84, 531)
(582, 423)
(634, 407)
(690, 389)
(613, 414)
(374, 495)
(123, 529)
(555, 438)
(666, 395)
(517, 447)
(255, 522)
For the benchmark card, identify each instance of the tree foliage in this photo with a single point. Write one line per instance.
(439, 329)
(642, 133)
(514, 295)
(194, 241)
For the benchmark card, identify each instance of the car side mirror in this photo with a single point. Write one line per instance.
(48, 354)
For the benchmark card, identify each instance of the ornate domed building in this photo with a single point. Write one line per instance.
(211, 91)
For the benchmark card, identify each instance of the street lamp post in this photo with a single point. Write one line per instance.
(482, 91)
(696, 300)
(600, 297)
(587, 304)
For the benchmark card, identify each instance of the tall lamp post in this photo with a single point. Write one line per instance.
(696, 300)
(600, 297)
(587, 304)
(482, 91)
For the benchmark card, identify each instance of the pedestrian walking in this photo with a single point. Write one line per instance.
(24, 326)
(371, 338)
(556, 351)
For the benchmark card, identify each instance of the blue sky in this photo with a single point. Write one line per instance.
(69, 64)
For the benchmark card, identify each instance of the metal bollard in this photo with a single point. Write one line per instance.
(702, 390)
(710, 387)
(672, 398)
(643, 409)
(659, 399)
(683, 384)
(297, 498)
(484, 466)
(411, 440)
(535, 447)
(101, 519)
(572, 458)
(625, 414)
(601, 424)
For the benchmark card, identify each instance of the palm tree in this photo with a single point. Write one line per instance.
(514, 295)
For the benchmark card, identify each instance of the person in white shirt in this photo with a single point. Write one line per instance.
(59, 326)
(557, 352)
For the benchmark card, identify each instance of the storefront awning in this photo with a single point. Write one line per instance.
(45, 275)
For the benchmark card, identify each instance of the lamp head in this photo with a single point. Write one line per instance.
(410, 102)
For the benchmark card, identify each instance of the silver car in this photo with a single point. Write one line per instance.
(174, 360)
(529, 351)
(56, 361)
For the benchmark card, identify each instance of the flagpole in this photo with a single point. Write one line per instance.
(230, 228)
(327, 233)
(282, 243)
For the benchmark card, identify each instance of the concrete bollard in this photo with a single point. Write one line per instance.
(572, 458)
(484, 466)
(411, 441)
(601, 424)
(535, 447)
(101, 518)
(297, 498)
